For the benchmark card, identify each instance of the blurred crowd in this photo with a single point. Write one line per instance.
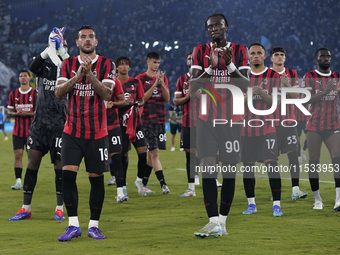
(170, 27)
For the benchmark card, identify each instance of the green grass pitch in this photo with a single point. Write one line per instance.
(165, 224)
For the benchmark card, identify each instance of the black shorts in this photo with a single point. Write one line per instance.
(115, 140)
(185, 138)
(301, 126)
(139, 142)
(95, 153)
(19, 142)
(2, 126)
(155, 136)
(174, 128)
(223, 141)
(259, 148)
(325, 134)
(46, 139)
(287, 139)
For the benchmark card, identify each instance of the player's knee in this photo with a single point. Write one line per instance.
(154, 153)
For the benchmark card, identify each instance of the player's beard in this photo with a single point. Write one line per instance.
(324, 66)
(217, 40)
(256, 65)
(87, 51)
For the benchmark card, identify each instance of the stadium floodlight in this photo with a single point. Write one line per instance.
(155, 43)
(176, 47)
(147, 45)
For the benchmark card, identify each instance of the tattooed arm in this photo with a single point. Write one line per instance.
(64, 87)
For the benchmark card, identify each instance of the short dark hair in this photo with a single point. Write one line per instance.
(258, 44)
(277, 49)
(217, 14)
(24, 71)
(123, 58)
(154, 55)
(85, 27)
(320, 49)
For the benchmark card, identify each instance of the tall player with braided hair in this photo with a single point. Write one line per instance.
(216, 63)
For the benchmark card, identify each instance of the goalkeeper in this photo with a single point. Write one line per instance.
(46, 129)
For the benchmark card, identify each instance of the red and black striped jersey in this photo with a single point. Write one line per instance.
(290, 113)
(112, 113)
(86, 110)
(300, 116)
(22, 101)
(182, 89)
(324, 112)
(133, 89)
(259, 125)
(153, 109)
(201, 60)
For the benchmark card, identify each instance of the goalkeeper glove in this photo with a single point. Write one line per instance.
(58, 37)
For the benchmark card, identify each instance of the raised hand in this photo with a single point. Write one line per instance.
(226, 54)
(285, 80)
(86, 65)
(58, 37)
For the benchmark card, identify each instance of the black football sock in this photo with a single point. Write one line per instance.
(147, 172)
(97, 195)
(18, 172)
(249, 180)
(59, 186)
(118, 166)
(29, 185)
(125, 164)
(70, 192)
(190, 167)
(313, 175)
(227, 192)
(141, 165)
(160, 177)
(210, 196)
(294, 167)
(274, 180)
(336, 167)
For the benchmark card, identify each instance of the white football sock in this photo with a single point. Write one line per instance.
(251, 200)
(222, 218)
(73, 221)
(277, 202)
(296, 189)
(93, 223)
(317, 196)
(214, 219)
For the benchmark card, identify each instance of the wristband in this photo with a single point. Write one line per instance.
(63, 53)
(209, 70)
(231, 67)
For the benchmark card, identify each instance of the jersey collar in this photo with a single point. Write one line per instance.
(323, 74)
(93, 60)
(260, 72)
